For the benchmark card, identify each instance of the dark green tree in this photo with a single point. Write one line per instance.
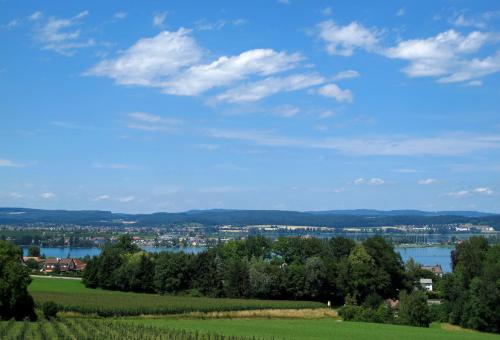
(413, 309)
(34, 251)
(15, 301)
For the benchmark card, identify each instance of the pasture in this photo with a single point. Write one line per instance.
(73, 296)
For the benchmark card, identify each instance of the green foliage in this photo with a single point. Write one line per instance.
(50, 309)
(472, 293)
(413, 309)
(15, 301)
(379, 314)
(34, 251)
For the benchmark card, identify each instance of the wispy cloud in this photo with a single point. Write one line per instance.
(445, 145)
(159, 19)
(120, 15)
(427, 181)
(11, 164)
(111, 165)
(60, 35)
(483, 191)
(368, 181)
(347, 74)
(127, 199)
(149, 122)
(47, 195)
(205, 25)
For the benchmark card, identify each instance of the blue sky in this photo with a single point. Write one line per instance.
(301, 105)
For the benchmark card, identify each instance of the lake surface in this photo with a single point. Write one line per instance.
(422, 255)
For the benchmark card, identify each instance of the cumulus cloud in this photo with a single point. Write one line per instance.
(60, 35)
(446, 56)
(159, 19)
(427, 181)
(333, 91)
(170, 61)
(149, 122)
(151, 60)
(254, 91)
(343, 40)
(226, 70)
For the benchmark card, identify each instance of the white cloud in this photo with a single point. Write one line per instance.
(150, 61)
(208, 147)
(449, 145)
(101, 198)
(127, 199)
(427, 181)
(284, 2)
(35, 16)
(401, 12)
(159, 19)
(255, 91)
(120, 15)
(286, 111)
(226, 70)
(445, 56)
(204, 25)
(483, 191)
(343, 40)
(12, 24)
(60, 35)
(149, 122)
(326, 114)
(333, 91)
(460, 193)
(47, 195)
(15, 195)
(370, 181)
(8, 163)
(474, 83)
(347, 74)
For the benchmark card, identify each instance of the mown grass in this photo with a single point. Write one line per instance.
(310, 329)
(73, 296)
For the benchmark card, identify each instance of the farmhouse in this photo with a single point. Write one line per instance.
(64, 265)
(426, 284)
(434, 269)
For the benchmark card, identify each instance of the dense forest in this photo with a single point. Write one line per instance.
(334, 219)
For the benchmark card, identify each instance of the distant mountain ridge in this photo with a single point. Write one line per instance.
(331, 218)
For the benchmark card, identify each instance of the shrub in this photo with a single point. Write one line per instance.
(413, 309)
(50, 309)
(380, 314)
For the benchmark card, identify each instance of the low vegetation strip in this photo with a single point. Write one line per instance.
(73, 296)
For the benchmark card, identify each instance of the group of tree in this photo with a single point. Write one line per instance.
(15, 301)
(288, 268)
(471, 293)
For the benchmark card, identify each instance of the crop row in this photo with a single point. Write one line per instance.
(129, 304)
(93, 329)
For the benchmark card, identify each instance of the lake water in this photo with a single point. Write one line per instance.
(423, 255)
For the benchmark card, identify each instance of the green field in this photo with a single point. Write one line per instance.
(73, 296)
(326, 328)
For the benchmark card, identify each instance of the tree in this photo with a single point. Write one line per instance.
(34, 251)
(15, 301)
(413, 309)
(50, 309)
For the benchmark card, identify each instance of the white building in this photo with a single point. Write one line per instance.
(426, 284)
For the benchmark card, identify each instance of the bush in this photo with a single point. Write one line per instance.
(50, 309)
(413, 309)
(380, 314)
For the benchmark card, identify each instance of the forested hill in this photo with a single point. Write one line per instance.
(335, 218)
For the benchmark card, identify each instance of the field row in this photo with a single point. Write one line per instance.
(92, 329)
(73, 296)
